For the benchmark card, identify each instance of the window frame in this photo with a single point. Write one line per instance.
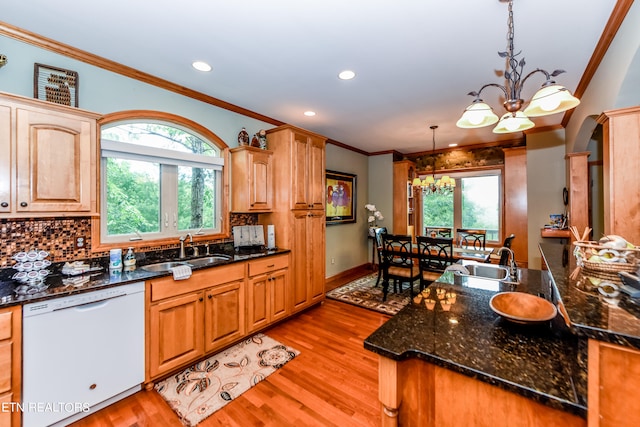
(457, 198)
(181, 122)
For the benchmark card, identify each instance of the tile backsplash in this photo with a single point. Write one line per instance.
(58, 236)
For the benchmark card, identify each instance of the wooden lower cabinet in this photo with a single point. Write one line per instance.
(614, 385)
(10, 365)
(176, 332)
(308, 255)
(417, 393)
(191, 318)
(215, 307)
(223, 315)
(268, 292)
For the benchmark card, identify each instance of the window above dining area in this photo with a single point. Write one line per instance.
(474, 203)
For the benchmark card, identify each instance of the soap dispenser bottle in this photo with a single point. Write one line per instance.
(130, 259)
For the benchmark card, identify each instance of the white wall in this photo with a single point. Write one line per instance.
(546, 178)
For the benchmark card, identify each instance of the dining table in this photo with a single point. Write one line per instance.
(459, 253)
(481, 255)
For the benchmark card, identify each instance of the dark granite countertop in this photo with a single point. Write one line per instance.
(57, 284)
(591, 314)
(544, 362)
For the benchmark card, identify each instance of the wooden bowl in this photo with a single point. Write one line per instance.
(522, 308)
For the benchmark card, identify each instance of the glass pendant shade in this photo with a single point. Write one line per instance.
(551, 99)
(428, 180)
(513, 123)
(477, 115)
(416, 182)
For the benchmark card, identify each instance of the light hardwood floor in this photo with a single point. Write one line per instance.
(333, 382)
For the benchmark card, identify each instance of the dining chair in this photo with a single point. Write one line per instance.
(439, 232)
(378, 242)
(502, 258)
(397, 263)
(474, 239)
(435, 255)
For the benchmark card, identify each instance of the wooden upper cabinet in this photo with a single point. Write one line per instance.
(251, 180)
(305, 153)
(53, 168)
(6, 159)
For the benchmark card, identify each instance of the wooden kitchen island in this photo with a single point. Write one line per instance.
(463, 365)
(466, 366)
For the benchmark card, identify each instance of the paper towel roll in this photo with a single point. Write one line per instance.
(271, 237)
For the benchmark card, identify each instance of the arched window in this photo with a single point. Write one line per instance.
(161, 177)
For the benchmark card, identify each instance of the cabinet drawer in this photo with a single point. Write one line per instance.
(166, 287)
(5, 325)
(268, 264)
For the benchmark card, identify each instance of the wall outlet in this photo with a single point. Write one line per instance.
(80, 242)
(333, 260)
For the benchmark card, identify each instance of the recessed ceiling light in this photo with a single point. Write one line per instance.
(453, 145)
(309, 113)
(346, 75)
(201, 66)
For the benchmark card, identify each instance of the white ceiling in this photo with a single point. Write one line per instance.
(415, 60)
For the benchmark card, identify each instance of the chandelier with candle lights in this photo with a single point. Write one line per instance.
(431, 185)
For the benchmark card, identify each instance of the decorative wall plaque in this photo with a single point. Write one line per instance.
(55, 85)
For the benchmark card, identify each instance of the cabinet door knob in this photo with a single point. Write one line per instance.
(200, 299)
(23, 204)
(93, 386)
(4, 204)
(209, 296)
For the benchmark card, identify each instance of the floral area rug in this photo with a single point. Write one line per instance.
(363, 292)
(207, 386)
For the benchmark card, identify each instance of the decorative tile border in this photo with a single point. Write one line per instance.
(57, 236)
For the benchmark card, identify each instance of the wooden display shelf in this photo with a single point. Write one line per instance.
(560, 233)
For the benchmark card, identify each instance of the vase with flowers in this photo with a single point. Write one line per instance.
(373, 216)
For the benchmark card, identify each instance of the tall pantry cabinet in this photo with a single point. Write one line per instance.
(298, 214)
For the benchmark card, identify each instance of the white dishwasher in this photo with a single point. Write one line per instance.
(81, 353)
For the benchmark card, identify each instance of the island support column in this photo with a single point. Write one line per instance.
(388, 391)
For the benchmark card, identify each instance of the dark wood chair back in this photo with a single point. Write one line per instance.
(474, 239)
(435, 255)
(439, 232)
(397, 261)
(377, 240)
(504, 256)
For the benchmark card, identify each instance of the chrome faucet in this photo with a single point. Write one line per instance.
(513, 268)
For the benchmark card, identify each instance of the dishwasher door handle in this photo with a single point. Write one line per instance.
(93, 305)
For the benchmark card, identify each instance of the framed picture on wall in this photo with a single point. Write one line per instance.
(340, 189)
(55, 85)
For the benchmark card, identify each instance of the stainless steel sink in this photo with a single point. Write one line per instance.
(163, 266)
(209, 260)
(487, 271)
(482, 276)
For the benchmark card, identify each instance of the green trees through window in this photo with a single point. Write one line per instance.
(159, 180)
(475, 204)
